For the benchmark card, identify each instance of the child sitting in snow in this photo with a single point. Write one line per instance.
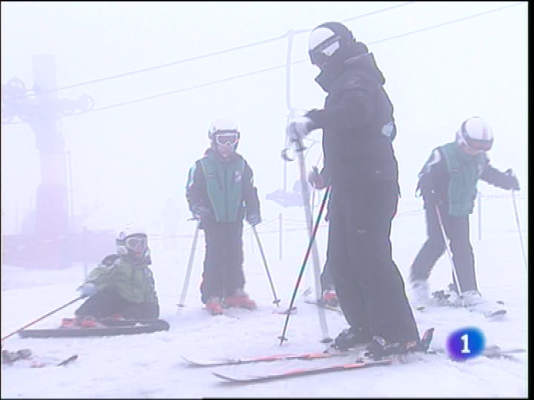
(122, 285)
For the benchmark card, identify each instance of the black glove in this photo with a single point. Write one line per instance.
(513, 183)
(200, 211)
(316, 179)
(431, 198)
(253, 218)
(430, 195)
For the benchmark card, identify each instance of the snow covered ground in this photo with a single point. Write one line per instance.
(150, 365)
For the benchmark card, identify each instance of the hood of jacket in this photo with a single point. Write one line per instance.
(353, 56)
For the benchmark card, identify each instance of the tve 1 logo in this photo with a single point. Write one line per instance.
(466, 343)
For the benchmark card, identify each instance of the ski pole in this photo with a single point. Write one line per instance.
(303, 266)
(305, 192)
(316, 264)
(43, 317)
(519, 230)
(189, 267)
(449, 253)
(276, 300)
(309, 218)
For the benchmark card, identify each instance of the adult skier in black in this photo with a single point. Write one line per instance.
(448, 184)
(358, 130)
(221, 193)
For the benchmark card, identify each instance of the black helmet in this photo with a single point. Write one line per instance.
(326, 39)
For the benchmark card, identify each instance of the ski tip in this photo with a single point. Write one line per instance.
(426, 339)
(497, 313)
(68, 360)
(226, 379)
(429, 332)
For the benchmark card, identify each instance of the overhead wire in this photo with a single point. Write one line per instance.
(457, 20)
(200, 57)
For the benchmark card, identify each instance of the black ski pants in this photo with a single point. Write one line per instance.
(327, 280)
(223, 262)
(457, 232)
(109, 302)
(369, 285)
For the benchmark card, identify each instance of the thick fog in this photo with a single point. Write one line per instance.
(160, 72)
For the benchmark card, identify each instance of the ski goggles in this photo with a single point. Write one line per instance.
(478, 145)
(227, 139)
(136, 243)
(474, 146)
(320, 54)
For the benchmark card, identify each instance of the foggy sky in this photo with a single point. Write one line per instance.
(131, 159)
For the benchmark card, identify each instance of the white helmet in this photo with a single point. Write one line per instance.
(224, 130)
(476, 134)
(222, 125)
(132, 241)
(325, 40)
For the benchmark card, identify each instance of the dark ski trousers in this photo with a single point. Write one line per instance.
(327, 280)
(223, 262)
(109, 302)
(369, 285)
(457, 232)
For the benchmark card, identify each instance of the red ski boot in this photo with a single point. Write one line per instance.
(91, 322)
(330, 298)
(214, 306)
(240, 299)
(70, 323)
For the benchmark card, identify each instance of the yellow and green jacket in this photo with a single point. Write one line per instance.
(134, 281)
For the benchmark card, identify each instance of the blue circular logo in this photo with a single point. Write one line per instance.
(465, 343)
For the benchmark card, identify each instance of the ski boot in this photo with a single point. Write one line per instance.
(330, 298)
(213, 305)
(90, 322)
(380, 347)
(70, 323)
(350, 338)
(239, 299)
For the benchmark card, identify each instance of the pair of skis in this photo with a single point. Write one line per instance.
(248, 378)
(357, 362)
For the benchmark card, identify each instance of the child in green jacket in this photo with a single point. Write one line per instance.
(122, 285)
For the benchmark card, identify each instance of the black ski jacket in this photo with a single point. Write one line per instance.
(357, 119)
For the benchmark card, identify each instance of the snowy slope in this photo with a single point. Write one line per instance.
(151, 366)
